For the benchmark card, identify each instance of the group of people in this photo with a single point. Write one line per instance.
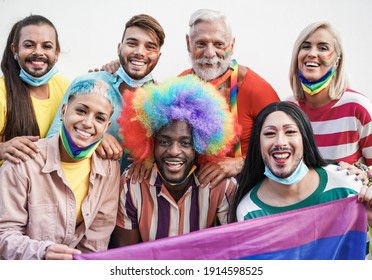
(114, 159)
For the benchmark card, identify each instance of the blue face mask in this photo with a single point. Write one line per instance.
(296, 176)
(131, 82)
(37, 81)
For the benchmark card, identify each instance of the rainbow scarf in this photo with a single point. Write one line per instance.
(74, 151)
(231, 73)
(234, 103)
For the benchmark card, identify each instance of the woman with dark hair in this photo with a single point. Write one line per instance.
(284, 169)
(30, 90)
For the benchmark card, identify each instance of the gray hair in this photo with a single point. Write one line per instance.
(206, 15)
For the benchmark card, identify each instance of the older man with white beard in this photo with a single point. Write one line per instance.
(210, 43)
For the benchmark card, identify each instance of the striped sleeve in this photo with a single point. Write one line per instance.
(343, 128)
(130, 199)
(227, 199)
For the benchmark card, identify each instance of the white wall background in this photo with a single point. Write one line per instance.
(265, 31)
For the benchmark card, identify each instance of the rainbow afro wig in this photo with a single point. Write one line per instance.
(186, 98)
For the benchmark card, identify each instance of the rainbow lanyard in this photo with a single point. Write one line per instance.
(231, 73)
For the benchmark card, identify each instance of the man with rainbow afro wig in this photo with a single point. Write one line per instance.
(174, 127)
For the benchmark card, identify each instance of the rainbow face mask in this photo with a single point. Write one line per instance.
(315, 87)
(74, 151)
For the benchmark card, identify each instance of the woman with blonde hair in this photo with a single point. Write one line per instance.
(340, 117)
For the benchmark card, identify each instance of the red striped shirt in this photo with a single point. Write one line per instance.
(343, 127)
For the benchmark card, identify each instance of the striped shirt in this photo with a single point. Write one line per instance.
(150, 208)
(333, 185)
(343, 128)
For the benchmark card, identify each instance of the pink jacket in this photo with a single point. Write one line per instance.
(37, 206)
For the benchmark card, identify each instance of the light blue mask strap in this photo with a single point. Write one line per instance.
(37, 81)
(296, 176)
(131, 82)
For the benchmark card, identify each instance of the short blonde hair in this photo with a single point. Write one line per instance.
(339, 82)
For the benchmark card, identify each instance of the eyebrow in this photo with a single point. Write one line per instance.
(319, 43)
(32, 41)
(285, 126)
(85, 106)
(136, 40)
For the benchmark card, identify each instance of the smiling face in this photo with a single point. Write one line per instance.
(211, 47)
(174, 152)
(36, 51)
(317, 55)
(139, 52)
(86, 118)
(281, 144)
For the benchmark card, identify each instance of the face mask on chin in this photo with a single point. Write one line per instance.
(37, 81)
(130, 81)
(314, 87)
(296, 176)
(73, 150)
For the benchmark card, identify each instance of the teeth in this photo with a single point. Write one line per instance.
(281, 155)
(173, 163)
(38, 62)
(86, 134)
(312, 64)
(138, 63)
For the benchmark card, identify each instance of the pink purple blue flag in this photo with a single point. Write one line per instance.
(334, 230)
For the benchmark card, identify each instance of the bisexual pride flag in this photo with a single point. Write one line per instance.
(334, 230)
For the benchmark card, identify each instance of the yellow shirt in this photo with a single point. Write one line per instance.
(45, 109)
(77, 174)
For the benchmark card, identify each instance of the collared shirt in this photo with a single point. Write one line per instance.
(37, 206)
(333, 184)
(150, 207)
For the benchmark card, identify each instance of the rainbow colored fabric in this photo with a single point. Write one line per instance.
(187, 98)
(334, 230)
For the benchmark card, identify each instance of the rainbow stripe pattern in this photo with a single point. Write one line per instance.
(234, 103)
(184, 98)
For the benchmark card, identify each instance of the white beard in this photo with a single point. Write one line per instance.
(208, 74)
